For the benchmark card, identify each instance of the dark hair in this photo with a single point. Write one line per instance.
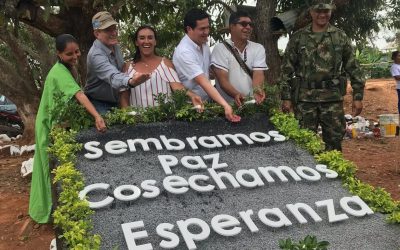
(235, 16)
(136, 56)
(395, 54)
(192, 16)
(62, 41)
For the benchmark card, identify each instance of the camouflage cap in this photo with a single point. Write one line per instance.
(102, 20)
(322, 5)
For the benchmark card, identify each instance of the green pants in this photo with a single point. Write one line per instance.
(330, 115)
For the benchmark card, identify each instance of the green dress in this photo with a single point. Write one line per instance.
(59, 79)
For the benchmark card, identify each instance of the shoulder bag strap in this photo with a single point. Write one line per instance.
(238, 59)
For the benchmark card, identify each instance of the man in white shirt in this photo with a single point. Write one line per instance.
(234, 81)
(395, 70)
(192, 60)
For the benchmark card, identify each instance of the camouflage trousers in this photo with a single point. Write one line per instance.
(330, 115)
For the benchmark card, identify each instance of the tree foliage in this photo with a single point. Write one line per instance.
(359, 19)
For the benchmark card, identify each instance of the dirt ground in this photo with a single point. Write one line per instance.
(378, 162)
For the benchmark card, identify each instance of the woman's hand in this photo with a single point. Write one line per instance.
(230, 116)
(100, 124)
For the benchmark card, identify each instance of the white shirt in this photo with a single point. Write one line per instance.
(254, 57)
(395, 70)
(191, 61)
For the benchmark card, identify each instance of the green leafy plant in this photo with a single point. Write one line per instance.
(289, 126)
(71, 214)
(64, 147)
(308, 243)
(69, 113)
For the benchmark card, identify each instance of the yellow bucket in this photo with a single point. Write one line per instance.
(388, 124)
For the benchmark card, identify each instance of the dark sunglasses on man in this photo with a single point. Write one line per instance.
(245, 24)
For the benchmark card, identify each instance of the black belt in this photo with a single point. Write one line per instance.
(327, 84)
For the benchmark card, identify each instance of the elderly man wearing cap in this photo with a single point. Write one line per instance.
(314, 68)
(104, 65)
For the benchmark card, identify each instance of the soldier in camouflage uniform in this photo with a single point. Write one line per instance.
(313, 82)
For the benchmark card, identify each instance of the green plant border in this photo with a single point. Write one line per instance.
(72, 215)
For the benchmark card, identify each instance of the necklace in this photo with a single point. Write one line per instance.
(145, 64)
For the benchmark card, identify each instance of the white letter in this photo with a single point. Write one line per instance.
(122, 197)
(192, 183)
(234, 138)
(330, 174)
(162, 230)
(294, 208)
(189, 238)
(245, 215)
(191, 142)
(333, 217)
(278, 171)
(344, 203)
(315, 176)
(220, 223)
(283, 220)
(256, 180)
(215, 162)
(167, 161)
(276, 135)
(217, 177)
(214, 143)
(199, 163)
(260, 137)
(115, 147)
(151, 191)
(175, 184)
(131, 236)
(179, 145)
(99, 204)
(91, 147)
(144, 143)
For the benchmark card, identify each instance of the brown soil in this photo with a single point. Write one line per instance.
(377, 159)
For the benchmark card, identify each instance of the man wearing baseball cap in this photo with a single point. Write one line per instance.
(104, 65)
(314, 68)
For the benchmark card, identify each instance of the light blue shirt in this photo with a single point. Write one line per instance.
(104, 77)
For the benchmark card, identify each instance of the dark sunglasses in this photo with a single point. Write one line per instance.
(245, 24)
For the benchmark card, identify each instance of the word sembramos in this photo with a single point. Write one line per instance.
(117, 147)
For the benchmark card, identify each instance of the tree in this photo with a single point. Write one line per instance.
(265, 10)
(21, 76)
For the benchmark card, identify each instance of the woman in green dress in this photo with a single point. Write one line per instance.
(61, 78)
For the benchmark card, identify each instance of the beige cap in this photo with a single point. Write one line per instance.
(102, 20)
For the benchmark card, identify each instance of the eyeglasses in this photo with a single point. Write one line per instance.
(245, 24)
